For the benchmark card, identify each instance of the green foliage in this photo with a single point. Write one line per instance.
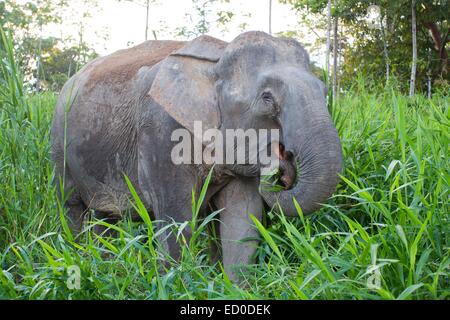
(365, 54)
(208, 13)
(200, 20)
(49, 59)
(389, 213)
(361, 43)
(28, 15)
(58, 65)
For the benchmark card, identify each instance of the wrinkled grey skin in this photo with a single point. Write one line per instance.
(123, 108)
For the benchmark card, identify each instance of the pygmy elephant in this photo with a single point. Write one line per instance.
(117, 116)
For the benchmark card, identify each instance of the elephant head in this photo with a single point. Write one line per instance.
(260, 82)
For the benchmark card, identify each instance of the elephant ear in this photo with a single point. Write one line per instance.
(185, 84)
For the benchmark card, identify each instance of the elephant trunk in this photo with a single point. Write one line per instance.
(312, 140)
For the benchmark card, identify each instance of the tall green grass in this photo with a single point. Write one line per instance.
(388, 219)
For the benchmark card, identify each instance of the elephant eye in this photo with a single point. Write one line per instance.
(267, 97)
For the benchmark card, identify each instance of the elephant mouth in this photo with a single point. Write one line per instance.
(287, 173)
(287, 167)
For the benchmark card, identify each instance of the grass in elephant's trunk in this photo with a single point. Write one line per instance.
(273, 182)
(284, 176)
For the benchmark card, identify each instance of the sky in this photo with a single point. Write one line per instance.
(115, 25)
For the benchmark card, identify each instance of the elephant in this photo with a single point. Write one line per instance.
(115, 117)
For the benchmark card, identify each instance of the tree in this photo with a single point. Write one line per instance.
(206, 15)
(328, 43)
(201, 19)
(440, 43)
(335, 53)
(382, 54)
(385, 47)
(59, 64)
(47, 62)
(25, 22)
(145, 4)
(414, 48)
(270, 16)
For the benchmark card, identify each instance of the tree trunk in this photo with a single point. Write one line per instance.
(146, 20)
(412, 83)
(327, 63)
(69, 71)
(80, 50)
(38, 63)
(429, 73)
(340, 57)
(270, 16)
(439, 46)
(335, 54)
(385, 47)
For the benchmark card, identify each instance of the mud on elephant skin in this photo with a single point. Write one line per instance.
(117, 114)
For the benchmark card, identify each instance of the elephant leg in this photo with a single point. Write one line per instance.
(214, 240)
(239, 198)
(176, 209)
(173, 212)
(171, 241)
(75, 215)
(109, 218)
(75, 207)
